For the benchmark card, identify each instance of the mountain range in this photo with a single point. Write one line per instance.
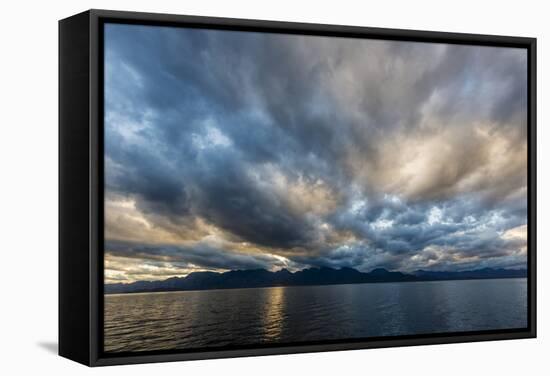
(305, 277)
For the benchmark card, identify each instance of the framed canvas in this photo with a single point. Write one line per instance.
(236, 187)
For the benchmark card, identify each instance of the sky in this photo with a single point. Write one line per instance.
(233, 150)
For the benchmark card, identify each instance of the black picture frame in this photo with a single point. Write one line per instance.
(81, 184)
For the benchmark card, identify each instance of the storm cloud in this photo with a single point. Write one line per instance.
(240, 150)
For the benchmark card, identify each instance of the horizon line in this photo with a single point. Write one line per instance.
(411, 273)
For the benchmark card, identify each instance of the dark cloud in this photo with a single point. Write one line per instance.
(201, 254)
(325, 151)
(230, 199)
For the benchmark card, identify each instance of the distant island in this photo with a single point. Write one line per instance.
(307, 277)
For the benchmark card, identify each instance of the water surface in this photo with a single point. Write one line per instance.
(198, 319)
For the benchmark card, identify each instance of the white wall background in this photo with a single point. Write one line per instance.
(28, 185)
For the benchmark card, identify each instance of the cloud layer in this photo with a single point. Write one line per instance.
(233, 150)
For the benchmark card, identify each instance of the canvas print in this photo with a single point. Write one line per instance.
(267, 189)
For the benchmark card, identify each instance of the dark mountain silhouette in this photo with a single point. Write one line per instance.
(312, 276)
(472, 274)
